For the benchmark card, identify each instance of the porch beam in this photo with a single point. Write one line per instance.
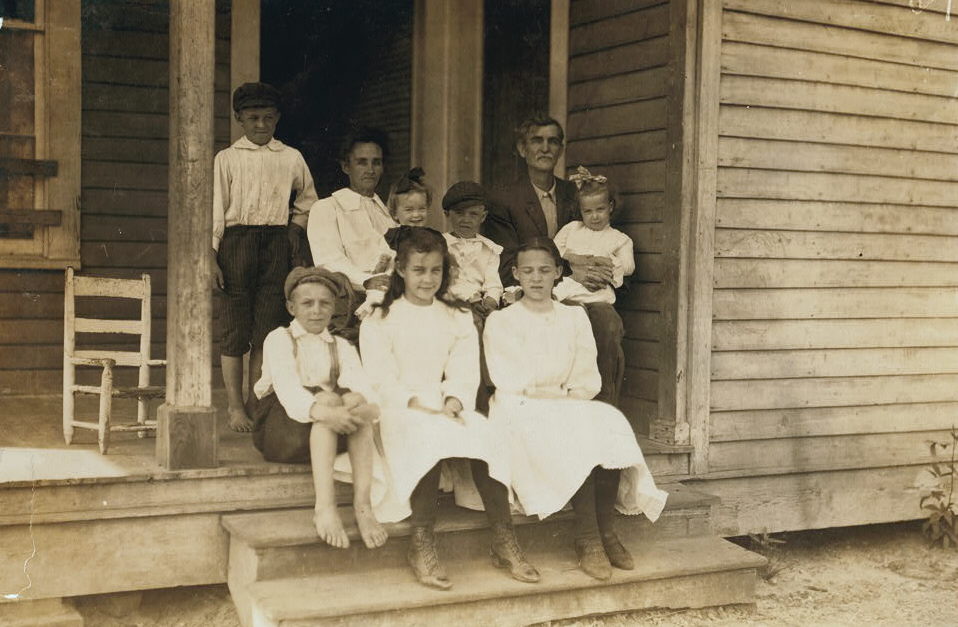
(186, 422)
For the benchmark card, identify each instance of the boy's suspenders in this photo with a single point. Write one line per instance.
(334, 368)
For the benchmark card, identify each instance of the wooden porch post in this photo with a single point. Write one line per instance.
(186, 429)
(447, 92)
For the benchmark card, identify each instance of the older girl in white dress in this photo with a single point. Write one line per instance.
(563, 445)
(422, 356)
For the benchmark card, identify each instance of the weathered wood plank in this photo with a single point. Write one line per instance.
(770, 62)
(45, 305)
(139, 125)
(640, 383)
(790, 94)
(129, 150)
(746, 183)
(641, 325)
(645, 354)
(842, 362)
(868, 302)
(747, 213)
(628, 148)
(31, 332)
(140, 99)
(815, 245)
(838, 128)
(584, 11)
(642, 297)
(837, 40)
(822, 453)
(645, 237)
(635, 26)
(119, 175)
(142, 255)
(873, 17)
(813, 500)
(50, 357)
(628, 58)
(639, 207)
(815, 421)
(131, 44)
(35, 281)
(641, 414)
(141, 72)
(808, 157)
(618, 89)
(645, 115)
(765, 273)
(647, 176)
(833, 392)
(853, 333)
(98, 228)
(130, 202)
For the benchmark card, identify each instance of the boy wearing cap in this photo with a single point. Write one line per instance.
(313, 395)
(477, 281)
(252, 183)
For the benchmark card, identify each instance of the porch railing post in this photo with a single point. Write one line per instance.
(186, 427)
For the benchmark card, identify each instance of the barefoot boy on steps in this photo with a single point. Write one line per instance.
(314, 402)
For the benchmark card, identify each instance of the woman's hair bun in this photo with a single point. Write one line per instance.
(416, 175)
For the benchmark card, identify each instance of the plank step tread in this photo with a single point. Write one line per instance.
(347, 594)
(291, 527)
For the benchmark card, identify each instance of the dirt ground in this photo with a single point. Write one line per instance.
(876, 575)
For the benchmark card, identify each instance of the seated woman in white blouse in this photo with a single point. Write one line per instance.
(542, 359)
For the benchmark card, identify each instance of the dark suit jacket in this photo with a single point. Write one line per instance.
(515, 215)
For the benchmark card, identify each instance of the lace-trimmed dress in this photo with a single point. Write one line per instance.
(430, 353)
(544, 368)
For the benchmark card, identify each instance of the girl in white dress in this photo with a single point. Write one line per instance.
(563, 445)
(422, 356)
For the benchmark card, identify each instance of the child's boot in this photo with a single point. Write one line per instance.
(606, 490)
(588, 548)
(506, 553)
(424, 559)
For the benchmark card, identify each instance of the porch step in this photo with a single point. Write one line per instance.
(283, 544)
(675, 573)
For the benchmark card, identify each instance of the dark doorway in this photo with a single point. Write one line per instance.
(340, 63)
(515, 82)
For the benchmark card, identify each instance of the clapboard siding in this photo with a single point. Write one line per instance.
(125, 150)
(835, 303)
(619, 97)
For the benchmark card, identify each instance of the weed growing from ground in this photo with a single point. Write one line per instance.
(938, 500)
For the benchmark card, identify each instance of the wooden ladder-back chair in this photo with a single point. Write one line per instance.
(139, 289)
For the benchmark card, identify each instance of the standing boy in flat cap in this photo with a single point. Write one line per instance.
(253, 181)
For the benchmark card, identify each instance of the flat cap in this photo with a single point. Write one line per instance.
(249, 95)
(311, 274)
(463, 195)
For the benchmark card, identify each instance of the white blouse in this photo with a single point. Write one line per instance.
(429, 352)
(542, 355)
(345, 234)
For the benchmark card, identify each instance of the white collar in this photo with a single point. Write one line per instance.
(452, 240)
(244, 143)
(297, 331)
(542, 194)
(351, 201)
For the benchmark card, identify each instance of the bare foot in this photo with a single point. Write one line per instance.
(373, 534)
(240, 420)
(330, 528)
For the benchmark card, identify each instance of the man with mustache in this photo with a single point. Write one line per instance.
(538, 205)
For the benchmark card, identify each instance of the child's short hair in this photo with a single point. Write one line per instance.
(363, 135)
(408, 183)
(535, 120)
(463, 195)
(251, 95)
